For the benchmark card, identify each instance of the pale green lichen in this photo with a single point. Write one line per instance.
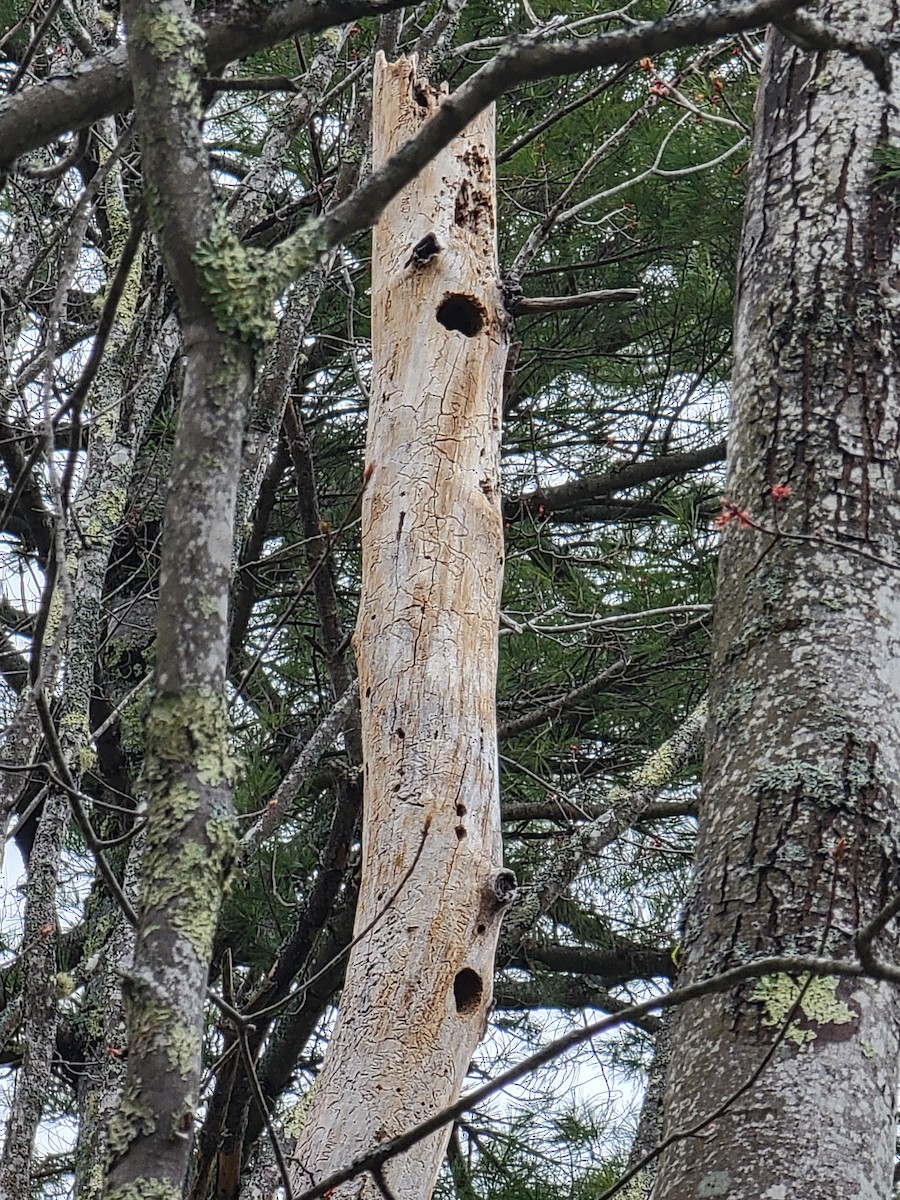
(240, 284)
(202, 872)
(790, 778)
(91, 1021)
(657, 770)
(74, 723)
(95, 1182)
(837, 723)
(296, 1117)
(187, 883)
(119, 228)
(819, 1005)
(130, 1119)
(736, 703)
(145, 1189)
(157, 1026)
(104, 423)
(189, 729)
(637, 1188)
(111, 503)
(65, 985)
(235, 283)
(868, 1050)
(661, 766)
(167, 35)
(75, 736)
(187, 749)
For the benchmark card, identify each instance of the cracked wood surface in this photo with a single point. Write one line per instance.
(419, 983)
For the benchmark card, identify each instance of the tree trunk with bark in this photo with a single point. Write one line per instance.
(786, 1086)
(419, 979)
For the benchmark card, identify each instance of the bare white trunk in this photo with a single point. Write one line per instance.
(419, 982)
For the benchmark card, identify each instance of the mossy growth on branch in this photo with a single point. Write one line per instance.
(240, 284)
(169, 35)
(185, 863)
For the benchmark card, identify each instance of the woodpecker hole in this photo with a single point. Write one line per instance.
(462, 313)
(463, 204)
(424, 251)
(460, 832)
(467, 991)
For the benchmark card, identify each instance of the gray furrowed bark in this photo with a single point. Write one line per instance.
(799, 834)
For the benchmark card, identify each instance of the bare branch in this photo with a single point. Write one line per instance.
(280, 805)
(568, 497)
(723, 982)
(624, 806)
(810, 32)
(103, 85)
(553, 304)
(524, 59)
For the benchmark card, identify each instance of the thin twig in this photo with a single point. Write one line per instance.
(33, 45)
(260, 1099)
(277, 808)
(67, 784)
(553, 304)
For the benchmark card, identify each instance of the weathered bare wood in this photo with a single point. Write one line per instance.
(418, 985)
(551, 304)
